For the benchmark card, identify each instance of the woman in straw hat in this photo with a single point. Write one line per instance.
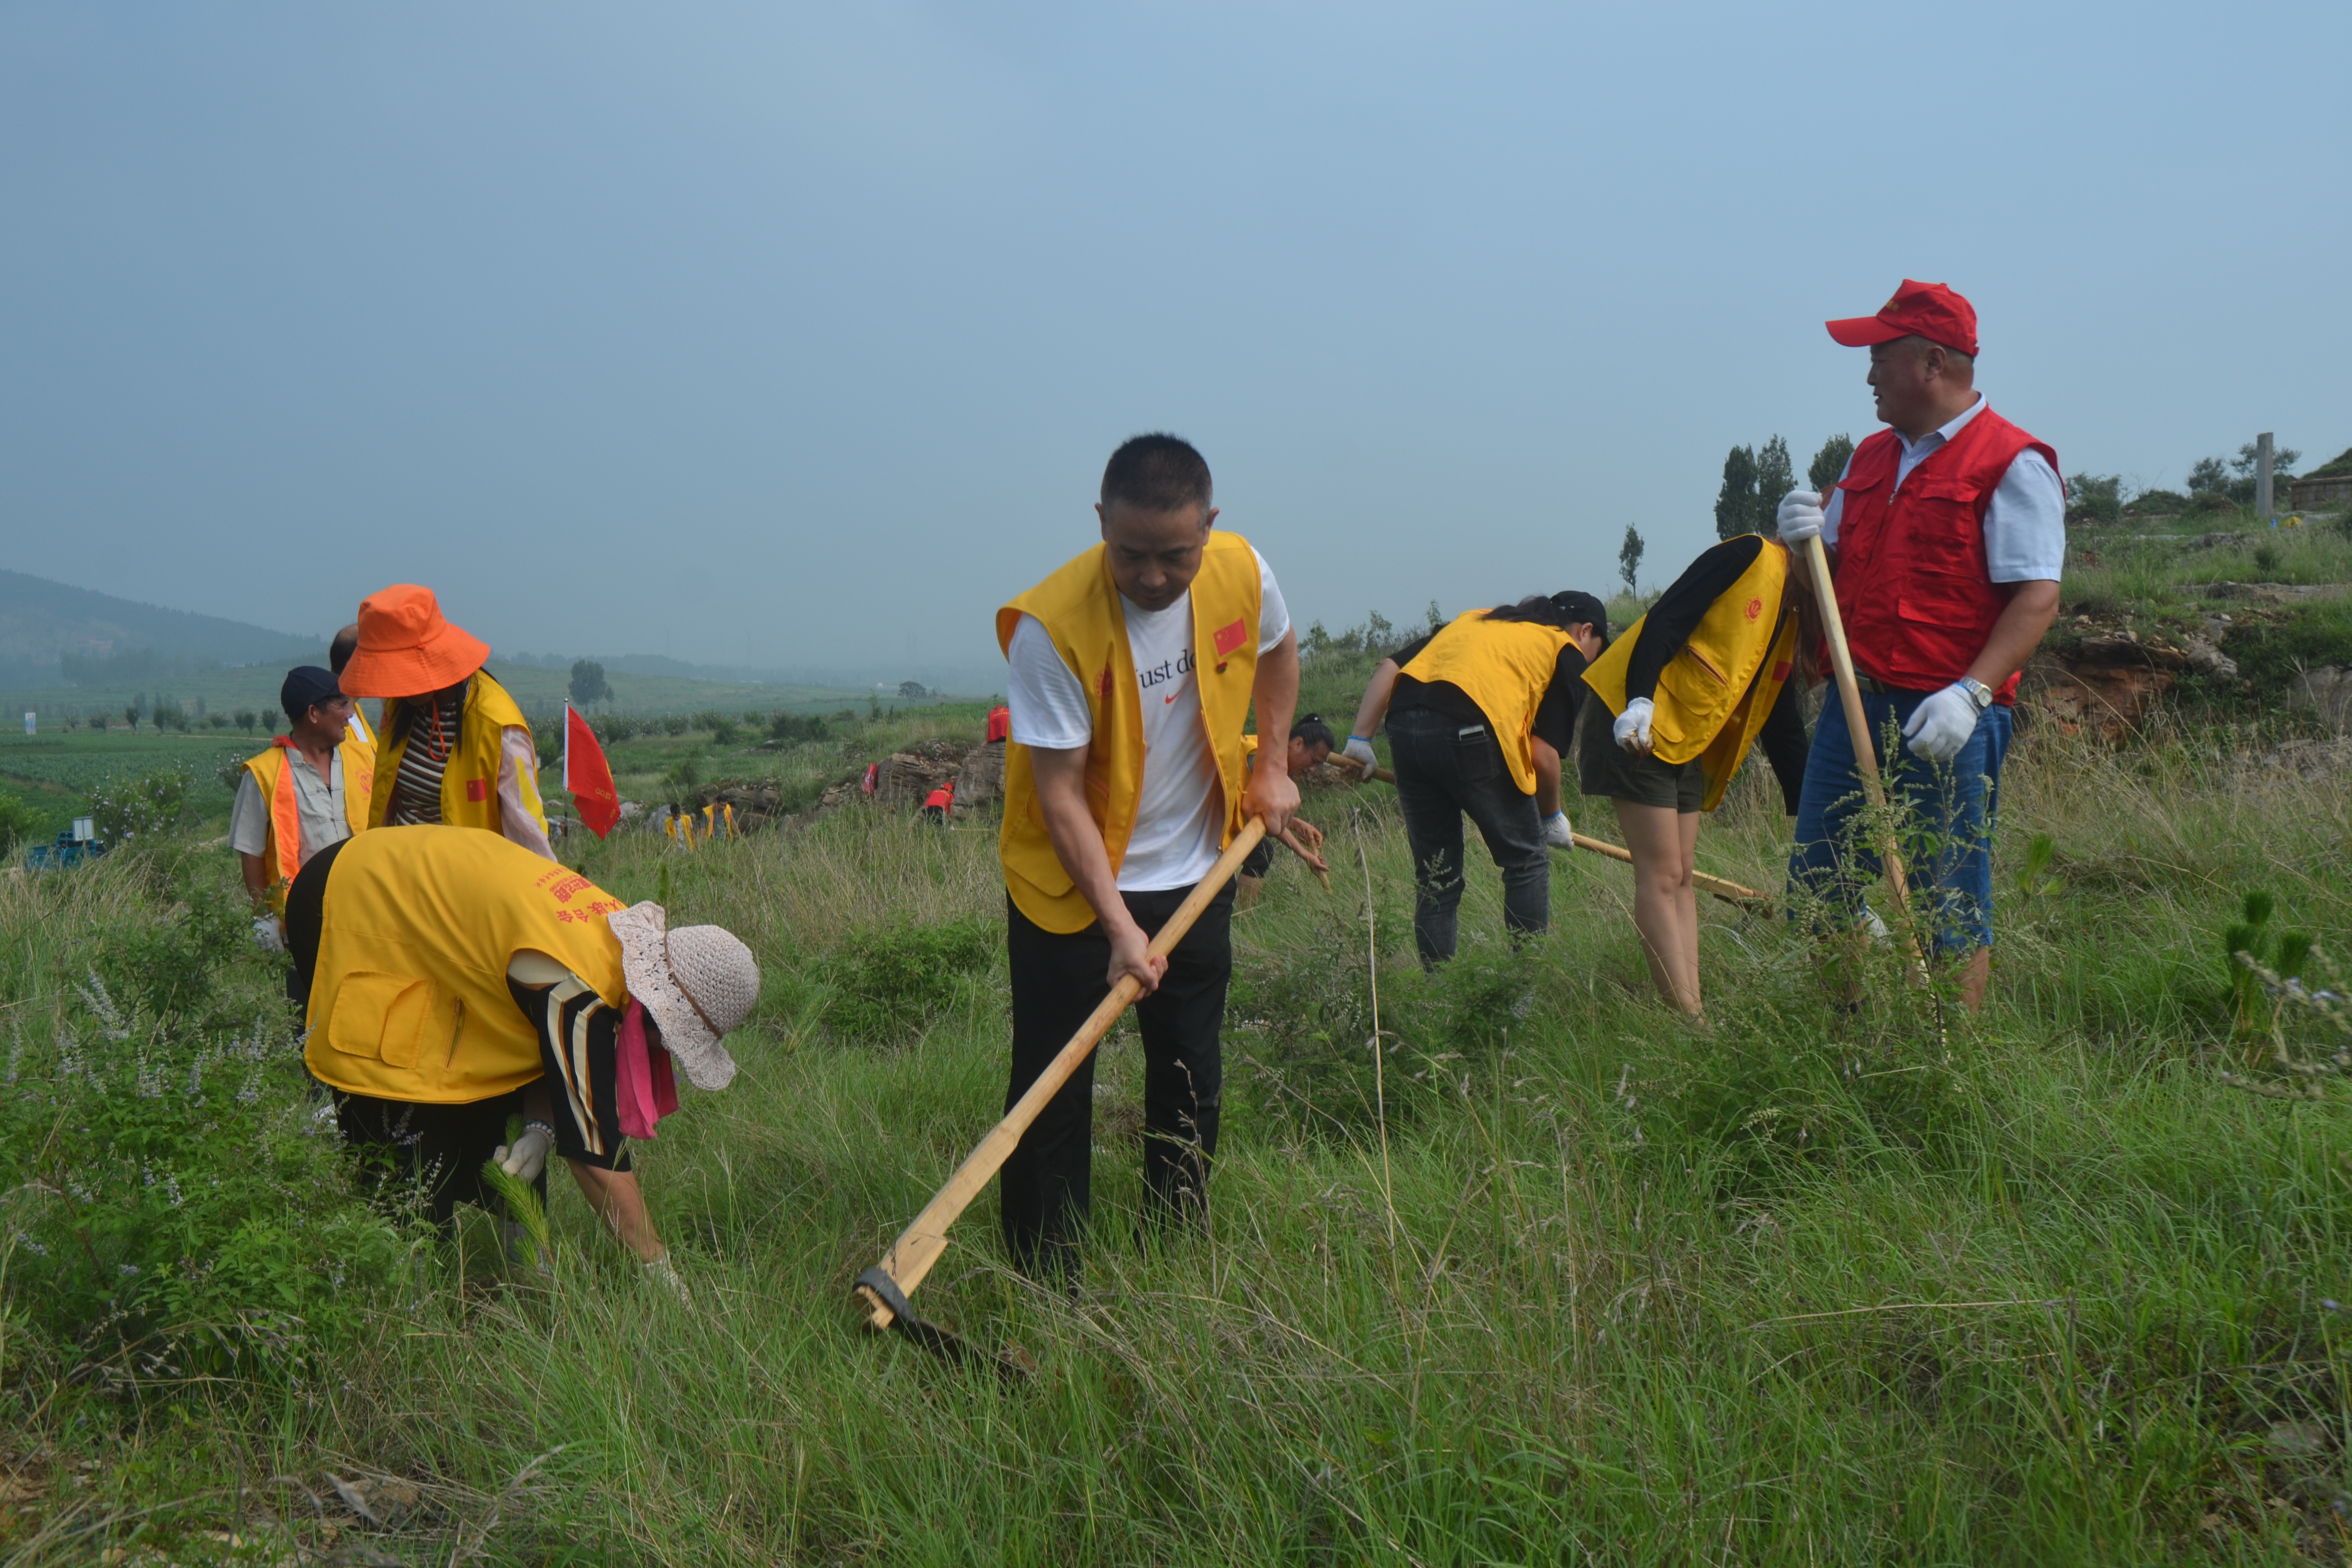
(454, 981)
(456, 750)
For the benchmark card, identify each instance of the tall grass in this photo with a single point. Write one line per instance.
(1799, 1285)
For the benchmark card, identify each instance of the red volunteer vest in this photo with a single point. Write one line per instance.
(1913, 588)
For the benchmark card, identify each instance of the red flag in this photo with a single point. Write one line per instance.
(588, 776)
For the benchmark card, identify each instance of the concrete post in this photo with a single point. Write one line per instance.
(2263, 509)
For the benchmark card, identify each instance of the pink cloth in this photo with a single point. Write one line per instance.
(641, 1077)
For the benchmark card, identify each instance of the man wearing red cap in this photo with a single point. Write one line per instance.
(455, 749)
(1946, 534)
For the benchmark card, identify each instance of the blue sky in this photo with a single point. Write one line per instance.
(799, 334)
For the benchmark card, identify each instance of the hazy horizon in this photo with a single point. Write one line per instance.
(795, 338)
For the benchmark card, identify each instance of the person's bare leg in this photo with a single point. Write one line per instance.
(1687, 905)
(619, 1202)
(1661, 884)
(1976, 972)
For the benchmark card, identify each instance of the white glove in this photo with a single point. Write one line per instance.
(1631, 729)
(1359, 751)
(267, 935)
(1557, 832)
(1800, 516)
(1942, 724)
(527, 1157)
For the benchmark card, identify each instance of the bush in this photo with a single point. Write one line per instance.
(144, 807)
(889, 982)
(2094, 498)
(673, 723)
(18, 822)
(708, 719)
(725, 734)
(782, 726)
(170, 716)
(142, 1255)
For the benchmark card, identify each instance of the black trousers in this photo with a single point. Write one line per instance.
(1445, 769)
(1046, 1186)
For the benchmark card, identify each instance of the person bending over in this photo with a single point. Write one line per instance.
(1310, 742)
(1478, 713)
(1691, 685)
(453, 980)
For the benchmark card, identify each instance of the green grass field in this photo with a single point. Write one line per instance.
(1559, 1279)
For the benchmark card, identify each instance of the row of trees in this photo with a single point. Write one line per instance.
(2215, 484)
(1755, 478)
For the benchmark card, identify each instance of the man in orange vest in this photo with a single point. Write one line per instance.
(1946, 534)
(308, 791)
(1133, 668)
(456, 750)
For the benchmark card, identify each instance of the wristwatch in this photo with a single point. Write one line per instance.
(1978, 692)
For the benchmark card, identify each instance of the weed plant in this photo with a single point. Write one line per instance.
(1563, 1278)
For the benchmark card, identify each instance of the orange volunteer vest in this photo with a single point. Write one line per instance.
(276, 782)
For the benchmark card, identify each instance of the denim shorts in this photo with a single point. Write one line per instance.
(1606, 770)
(1948, 836)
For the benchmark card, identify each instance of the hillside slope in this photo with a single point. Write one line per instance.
(40, 620)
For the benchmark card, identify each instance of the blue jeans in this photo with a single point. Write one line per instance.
(1948, 838)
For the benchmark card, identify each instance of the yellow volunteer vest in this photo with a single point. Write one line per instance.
(1505, 666)
(276, 785)
(1715, 695)
(470, 785)
(1079, 607)
(409, 1000)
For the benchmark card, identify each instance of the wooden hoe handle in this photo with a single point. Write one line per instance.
(1723, 887)
(922, 1243)
(1865, 746)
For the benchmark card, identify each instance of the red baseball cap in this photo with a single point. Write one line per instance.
(1928, 311)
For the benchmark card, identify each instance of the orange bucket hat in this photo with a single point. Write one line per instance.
(407, 648)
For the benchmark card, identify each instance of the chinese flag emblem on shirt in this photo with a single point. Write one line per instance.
(588, 776)
(1231, 638)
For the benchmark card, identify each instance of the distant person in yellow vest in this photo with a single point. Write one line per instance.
(1690, 686)
(339, 654)
(454, 980)
(456, 750)
(1132, 669)
(1311, 745)
(1478, 713)
(308, 791)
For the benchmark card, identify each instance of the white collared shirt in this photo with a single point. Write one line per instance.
(2024, 524)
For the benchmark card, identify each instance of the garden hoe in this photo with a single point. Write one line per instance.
(883, 1289)
(1729, 891)
(1866, 747)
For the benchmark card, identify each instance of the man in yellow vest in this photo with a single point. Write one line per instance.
(456, 750)
(1691, 685)
(308, 791)
(454, 981)
(1132, 669)
(1478, 712)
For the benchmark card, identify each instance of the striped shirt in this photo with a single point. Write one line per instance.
(432, 729)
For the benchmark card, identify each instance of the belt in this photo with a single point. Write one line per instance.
(1878, 688)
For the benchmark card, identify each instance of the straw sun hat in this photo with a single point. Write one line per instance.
(698, 982)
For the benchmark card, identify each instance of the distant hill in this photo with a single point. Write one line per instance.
(44, 623)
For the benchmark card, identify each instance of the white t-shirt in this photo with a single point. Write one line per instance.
(2024, 524)
(1177, 821)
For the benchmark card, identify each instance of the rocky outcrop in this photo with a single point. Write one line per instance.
(2106, 684)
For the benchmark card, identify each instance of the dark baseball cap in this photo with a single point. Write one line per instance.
(306, 687)
(1579, 605)
(1929, 310)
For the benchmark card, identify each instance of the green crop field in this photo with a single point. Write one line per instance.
(1546, 1275)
